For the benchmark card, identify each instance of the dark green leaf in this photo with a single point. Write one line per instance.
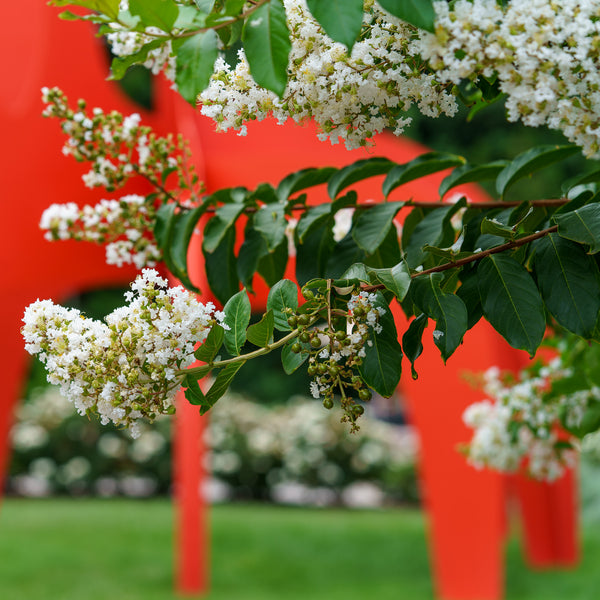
(361, 169)
(468, 292)
(382, 365)
(194, 394)
(411, 341)
(419, 13)
(423, 165)
(261, 334)
(164, 221)
(528, 162)
(496, 228)
(183, 229)
(292, 360)
(221, 384)
(341, 19)
(373, 225)
(210, 347)
(313, 217)
(282, 295)
(272, 265)
(237, 316)
(155, 13)
(221, 268)
(396, 279)
(581, 225)
(267, 46)
(471, 173)
(301, 180)
(270, 221)
(194, 66)
(107, 7)
(219, 225)
(511, 302)
(120, 64)
(312, 255)
(447, 310)
(251, 252)
(569, 282)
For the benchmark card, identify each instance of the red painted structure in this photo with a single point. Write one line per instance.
(466, 507)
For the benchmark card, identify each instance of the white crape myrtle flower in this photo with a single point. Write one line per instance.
(125, 225)
(544, 53)
(351, 97)
(519, 427)
(124, 368)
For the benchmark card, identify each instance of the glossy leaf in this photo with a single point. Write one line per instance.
(373, 224)
(426, 164)
(194, 64)
(447, 310)
(221, 269)
(313, 253)
(412, 341)
(511, 301)
(470, 174)
(194, 394)
(261, 334)
(382, 365)
(468, 292)
(237, 316)
(496, 228)
(419, 13)
(267, 46)
(581, 225)
(183, 229)
(529, 161)
(210, 347)
(569, 282)
(292, 360)
(155, 13)
(282, 295)
(313, 217)
(340, 19)
(361, 169)
(304, 179)
(395, 279)
(270, 221)
(252, 250)
(218, 226)
(272, 265)
(221, 385)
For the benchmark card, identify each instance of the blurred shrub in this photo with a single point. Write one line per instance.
(294, 453)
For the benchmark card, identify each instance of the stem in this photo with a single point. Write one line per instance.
(241, 357)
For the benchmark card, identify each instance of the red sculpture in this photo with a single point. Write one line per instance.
(466, 507)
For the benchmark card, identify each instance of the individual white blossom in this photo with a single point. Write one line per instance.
(124, 368)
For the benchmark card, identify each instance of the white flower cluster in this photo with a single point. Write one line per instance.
(126, 367)
(124, 225)
(351, 97)
(520, 426)
(546, 55)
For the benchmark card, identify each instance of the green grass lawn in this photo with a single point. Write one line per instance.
(122, 550)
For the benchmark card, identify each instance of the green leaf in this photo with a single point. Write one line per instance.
(155, 13)
(183, 229)
(581, 225)
(313, 253)
(468, 292)
(382, 364)
(361, 169)
(292, 360)
(304, 179)
(569, 282)
(373, 224)
(107, 7)
(419, 13)
(164, 221)
(221, 384)
(252, 250)
(267, 46)
(511, 302)
(493, 227)
(194, 394)
(120, 64)
(211, 345)
(313, 217)
(219, 225)
(396, 279)
(282, 295)
(237, 316)
(194, 65)
(471, 173)
(426, 164)
(261, 334)
(340, 19)
(447, 310)
(270, 221)
(272, 265)
(411, 341)
(529, 161)
(221, 269)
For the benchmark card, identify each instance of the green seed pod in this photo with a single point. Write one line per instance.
(296, 348)
(364, 394)
(328, 403)
(292, 321)
(315, 342)
(303, 320)
(358, 410)
(304, 337)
